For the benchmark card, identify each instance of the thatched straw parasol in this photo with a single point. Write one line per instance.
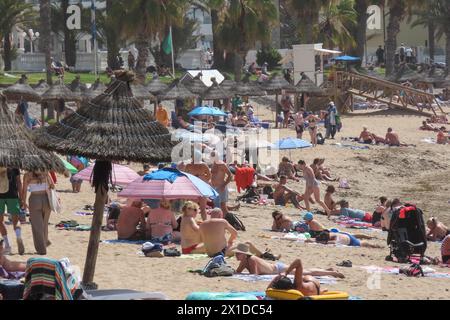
(17, 149)
(275, 85)
(247, 88)
(177, 91)
(228, 84)
(156, 86)
(195, 85)
(59, 91)
(140, 92)
(112, 127)
(95, 90)
(77, 86)
(21, 91)
(306, 85)
(216, 92)
(41, 87)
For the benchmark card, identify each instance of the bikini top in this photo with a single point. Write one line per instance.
(38, 187)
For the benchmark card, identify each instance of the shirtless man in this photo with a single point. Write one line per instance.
(129, 219)
(328, 199)
(220, 178)
(281, 223)
(258, 266)
(392, 138)
(366, 136)
(299, 124)
(200, 170)
(283, 194)
(436, 230)
(315, 227)
(312, 187)
(191, 240)
(213, 233)
(285, 168)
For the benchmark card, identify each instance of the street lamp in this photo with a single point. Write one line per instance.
(32, 35)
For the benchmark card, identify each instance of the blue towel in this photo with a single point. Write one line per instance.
(168, 174)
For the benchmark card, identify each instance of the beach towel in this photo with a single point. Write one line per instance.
(116, 241)
(11, 275)
(225, 296)
(428, 272)
(84, 213)
(196, 256)
(268, 278)
(47, 277)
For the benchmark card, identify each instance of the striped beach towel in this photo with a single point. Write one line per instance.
(47, 278)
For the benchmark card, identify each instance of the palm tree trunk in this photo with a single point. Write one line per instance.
(143, 53)
(361, 29)
(44, 12)
(70, 50)
(309, 32)
(432, 39)
(7, 52)
(111, 37)
(219, 61)
(397, 11)
(447, 50)
(238, 61)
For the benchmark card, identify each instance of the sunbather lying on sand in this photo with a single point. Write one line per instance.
(306, 284)
(10, 266)
(436, 230)
(259, 266)
(351, 213)
(281, 223)
(428, 126)
(343, 238)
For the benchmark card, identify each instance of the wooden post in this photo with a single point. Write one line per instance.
(276, 110)
(42, 114)
(94, 238)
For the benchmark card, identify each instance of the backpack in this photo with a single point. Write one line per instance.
(269, 191)
(234, 221)
(414, 270)
(223, 270)
(320, 139)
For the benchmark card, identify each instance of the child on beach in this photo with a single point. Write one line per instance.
(376, 217)
(328, 199)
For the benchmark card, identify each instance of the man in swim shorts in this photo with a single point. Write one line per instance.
(220, 178)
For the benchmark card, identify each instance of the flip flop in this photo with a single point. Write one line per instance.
(345, 263)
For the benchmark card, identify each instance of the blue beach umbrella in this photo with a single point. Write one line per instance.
(207, 111)
(347, 59)
(290, 144)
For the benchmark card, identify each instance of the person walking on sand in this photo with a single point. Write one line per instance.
(12, 200)
(221, 176)
(38, 183)
(312, 187)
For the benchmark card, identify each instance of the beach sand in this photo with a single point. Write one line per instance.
(418, 174)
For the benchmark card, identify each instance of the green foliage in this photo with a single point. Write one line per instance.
(269, 55)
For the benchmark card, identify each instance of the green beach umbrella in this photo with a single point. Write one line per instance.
(69, 166)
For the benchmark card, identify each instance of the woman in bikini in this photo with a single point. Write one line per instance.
(191, 241)
(312, 128)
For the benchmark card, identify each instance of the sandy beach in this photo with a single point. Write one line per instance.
(417, 174)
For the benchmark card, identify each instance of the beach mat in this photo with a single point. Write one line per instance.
(268, 278)
(226, 296)
(428, 272)
(115, 241)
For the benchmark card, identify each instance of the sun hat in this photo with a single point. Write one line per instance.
(243, 248)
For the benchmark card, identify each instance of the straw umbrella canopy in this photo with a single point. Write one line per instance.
(247, 88)
(59, 91)
(275, 85)
(177, 90)
(77, 86)
(156, 86)
(306, 85)
(41, 87)
(228, 84)
(195, 85)
(17, 147)
(140, 92)
(95, 90)
(216, 92)
(112, 127)
(21, 91)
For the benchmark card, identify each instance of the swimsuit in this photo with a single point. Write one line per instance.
(188, 250)
(353, 241)
(281, 267)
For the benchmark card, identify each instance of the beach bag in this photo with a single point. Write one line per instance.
(269, 191)
(4, 181)
(320, 139)
(234, 221)
(53, 200)
(414, 270)
(220, 271)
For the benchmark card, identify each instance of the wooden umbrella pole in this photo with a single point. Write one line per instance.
(276, 109)
(94, 238)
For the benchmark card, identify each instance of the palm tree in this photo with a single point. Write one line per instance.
(45, 19)
(244, 23)
(111, 28)
(442, 22)
(335, 23)
(13, 13)
(425, 18)
(307, 12)
(148, 19)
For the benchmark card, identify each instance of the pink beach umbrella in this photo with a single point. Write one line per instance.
(168, 184)
(121, 175)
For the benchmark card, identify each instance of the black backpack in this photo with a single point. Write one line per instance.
(320, 139)
(234, 221)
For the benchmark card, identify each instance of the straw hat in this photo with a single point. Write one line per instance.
(242, 248)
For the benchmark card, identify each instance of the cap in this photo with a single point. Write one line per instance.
(308, 216)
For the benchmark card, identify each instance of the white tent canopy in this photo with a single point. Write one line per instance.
(206, 76)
